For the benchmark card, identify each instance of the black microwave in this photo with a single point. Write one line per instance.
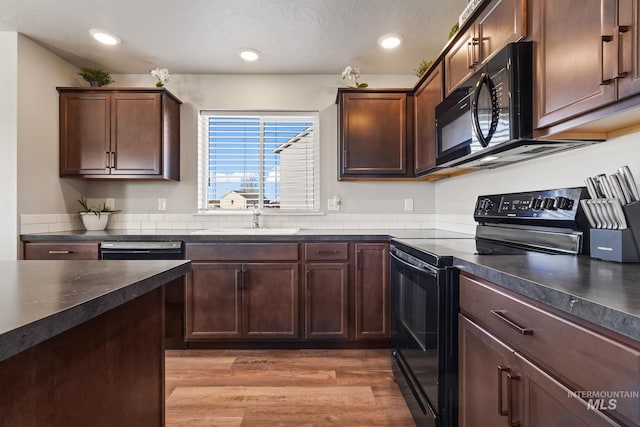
(491, 112)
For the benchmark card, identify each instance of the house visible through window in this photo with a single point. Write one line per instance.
(267, 160)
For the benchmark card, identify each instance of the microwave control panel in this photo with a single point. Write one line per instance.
(531, 207)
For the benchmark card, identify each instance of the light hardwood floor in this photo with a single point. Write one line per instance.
(282, 387)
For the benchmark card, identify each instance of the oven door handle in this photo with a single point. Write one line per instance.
(415, 268)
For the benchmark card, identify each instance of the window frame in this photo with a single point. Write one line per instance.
(203, 159)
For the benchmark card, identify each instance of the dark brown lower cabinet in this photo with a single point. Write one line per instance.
(500, 387)
(480, 356)
(372, 290)
(213, 301)
(234, 300)
(523, 363)
(270, 300)
(326, 300)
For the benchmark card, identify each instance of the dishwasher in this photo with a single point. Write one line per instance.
(173, 291)
(142, 250)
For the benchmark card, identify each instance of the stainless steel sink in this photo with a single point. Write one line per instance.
(248, 231)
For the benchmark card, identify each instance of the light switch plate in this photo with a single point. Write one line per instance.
(162, 204)
(408, 205)
(110, 203)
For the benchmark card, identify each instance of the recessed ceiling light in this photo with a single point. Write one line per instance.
(390, 41)
(249, 54)
(104, 37)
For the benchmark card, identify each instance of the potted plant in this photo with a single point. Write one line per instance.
(94, 218)
(95, 76)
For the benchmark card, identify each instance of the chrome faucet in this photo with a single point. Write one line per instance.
(256, 217)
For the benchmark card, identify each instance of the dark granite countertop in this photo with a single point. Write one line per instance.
(41, 299)
(188, 236)
(604, 293)
(601, 292)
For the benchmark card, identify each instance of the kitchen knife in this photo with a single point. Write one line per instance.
(595, 212)
(631, 183)
(622, 186)
(617, 208)
(602, 181)
(591, 188)
(614, 185)
(587, 212)
(609, 219)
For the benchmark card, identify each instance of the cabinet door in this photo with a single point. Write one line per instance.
(213, 302)
(501, 23)
(483, 365)
(136, 134)
(629, 47)
(427, 97)
(373, 134)
(548, 403)
(461, 59)
(84, 134)
(326, 300)
(270, 300)
(372, 290)
(569, 55)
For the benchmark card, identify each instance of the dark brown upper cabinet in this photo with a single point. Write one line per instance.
(587, 56)
(123, 133)
(500, 23)
(375, 136)
(426, 97)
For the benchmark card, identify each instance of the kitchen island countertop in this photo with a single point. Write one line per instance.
(41, 299)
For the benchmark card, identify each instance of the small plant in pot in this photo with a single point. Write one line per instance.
(94, 218)
(95, 76)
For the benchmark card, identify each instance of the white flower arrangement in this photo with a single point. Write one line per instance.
(162, 74)
(353, 73)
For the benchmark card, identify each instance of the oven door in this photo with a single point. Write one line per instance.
(416, 327)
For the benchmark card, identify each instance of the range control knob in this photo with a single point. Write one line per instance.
(484, 205)
(536, 204)
(548, 203)
(563, 203)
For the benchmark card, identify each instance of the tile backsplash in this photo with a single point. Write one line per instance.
(47, 223)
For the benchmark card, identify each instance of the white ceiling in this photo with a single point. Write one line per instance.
(204, 36)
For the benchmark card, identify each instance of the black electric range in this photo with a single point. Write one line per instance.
(424, 287)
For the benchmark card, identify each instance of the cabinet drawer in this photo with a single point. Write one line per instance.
(581, 358)
(85, 250)
(326, 251)
(242, 251)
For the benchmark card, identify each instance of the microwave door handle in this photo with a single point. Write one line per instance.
(485, 80)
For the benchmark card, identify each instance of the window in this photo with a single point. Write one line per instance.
(264, 160)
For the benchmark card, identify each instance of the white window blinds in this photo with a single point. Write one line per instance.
(266, 160)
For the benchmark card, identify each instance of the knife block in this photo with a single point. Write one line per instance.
(618, 245)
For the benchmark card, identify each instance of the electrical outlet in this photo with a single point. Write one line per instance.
(408, 205)
(333, 204)
(162, 204)
(111, 203)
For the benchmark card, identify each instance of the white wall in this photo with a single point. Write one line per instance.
(40, 190)
(456, 196)
(267, 92)
(8, 145)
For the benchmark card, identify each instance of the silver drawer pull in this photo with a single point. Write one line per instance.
(60, 252)
(500, 315)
